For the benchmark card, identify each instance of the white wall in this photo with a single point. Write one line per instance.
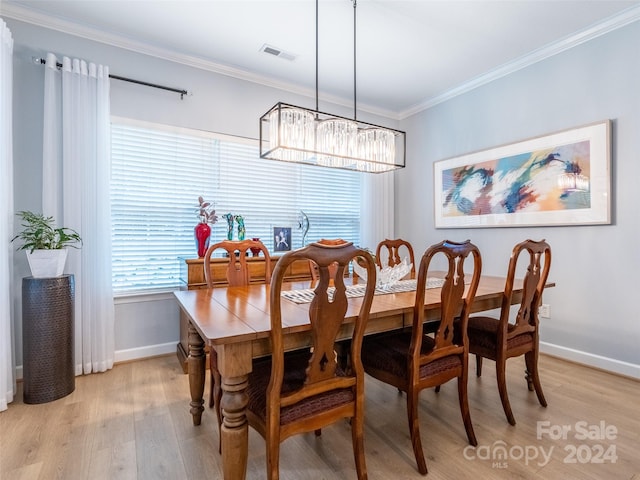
(146, 325)
(594, 317)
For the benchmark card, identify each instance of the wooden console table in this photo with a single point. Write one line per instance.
(192, 278)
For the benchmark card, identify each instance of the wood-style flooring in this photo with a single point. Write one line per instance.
(133, 422)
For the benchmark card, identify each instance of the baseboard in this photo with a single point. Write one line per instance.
(592, 360)
(596, 361)
(144, 352)
(130, 354)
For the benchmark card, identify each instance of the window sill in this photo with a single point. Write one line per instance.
(143, 296)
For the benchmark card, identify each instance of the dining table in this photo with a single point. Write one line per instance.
(235, 322)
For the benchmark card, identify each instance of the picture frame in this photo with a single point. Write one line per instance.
(562, 178)
(281, 239)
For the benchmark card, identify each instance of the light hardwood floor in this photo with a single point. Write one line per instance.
(133, 422)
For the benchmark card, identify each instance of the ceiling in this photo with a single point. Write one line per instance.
(410, 54)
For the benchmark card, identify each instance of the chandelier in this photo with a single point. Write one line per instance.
(295, 134)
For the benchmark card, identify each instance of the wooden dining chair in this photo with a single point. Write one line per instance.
(237, 274)
(394, 249)
(413, 360)
(306, 390)
(313, 268)
(498, 339)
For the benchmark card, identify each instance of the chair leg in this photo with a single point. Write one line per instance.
(463, 399)
(273, 457)
(216, 399)
(531, 360)
(529, 378)
(501, 375)
(357, 437)
(215, 382)
(478, 365)
(414, 430)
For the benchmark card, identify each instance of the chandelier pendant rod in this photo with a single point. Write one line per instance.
(301, 135)
(317, 56)
(355, 110)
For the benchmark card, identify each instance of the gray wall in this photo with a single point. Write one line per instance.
(593, 307)
(144, 325)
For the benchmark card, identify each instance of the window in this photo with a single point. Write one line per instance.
(158, 172)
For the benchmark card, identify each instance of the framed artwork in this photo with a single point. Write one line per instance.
(558, 179)
(281, 239)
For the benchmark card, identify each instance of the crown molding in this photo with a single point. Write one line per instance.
(36, 18)
(615, 22)
(22, 14)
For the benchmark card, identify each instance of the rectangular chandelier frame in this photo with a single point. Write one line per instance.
(295, 134)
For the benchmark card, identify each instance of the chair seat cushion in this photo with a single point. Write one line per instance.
(295, 365)
(390, 353)
(483, 336)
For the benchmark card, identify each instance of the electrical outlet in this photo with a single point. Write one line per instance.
(544, 311)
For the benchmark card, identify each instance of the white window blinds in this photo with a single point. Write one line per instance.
(158, 172)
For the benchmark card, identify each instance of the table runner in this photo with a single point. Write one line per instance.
(306, 295)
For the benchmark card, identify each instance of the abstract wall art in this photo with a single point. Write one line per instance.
(557, 179)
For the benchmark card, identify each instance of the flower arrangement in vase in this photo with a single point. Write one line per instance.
(202, 231)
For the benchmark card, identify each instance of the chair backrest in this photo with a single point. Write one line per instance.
(313, 268)
(533, 284)
(394, 248)
(327, 313)
(238, 272)
(455, 303)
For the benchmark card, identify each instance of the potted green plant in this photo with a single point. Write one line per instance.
(45, 244)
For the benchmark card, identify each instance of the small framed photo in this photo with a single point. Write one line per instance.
(281, 239)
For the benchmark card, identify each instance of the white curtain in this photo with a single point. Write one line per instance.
(76, 173)
(7, 360)
(376, 207)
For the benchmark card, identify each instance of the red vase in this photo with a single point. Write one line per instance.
(255, 250)
(201, 232)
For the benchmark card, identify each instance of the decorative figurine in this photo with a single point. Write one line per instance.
(303, 224)
(241, 230)
(229, 218)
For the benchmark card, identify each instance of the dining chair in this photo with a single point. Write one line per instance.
(306, 390)
(499, 339)
(238, 273)
(393, 250)
(412, 360)
(313, 268)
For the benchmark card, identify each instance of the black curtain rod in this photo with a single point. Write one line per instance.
(125, 79)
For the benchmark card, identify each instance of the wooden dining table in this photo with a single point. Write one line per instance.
(235, 322)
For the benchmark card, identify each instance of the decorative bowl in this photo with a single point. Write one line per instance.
(386, 276)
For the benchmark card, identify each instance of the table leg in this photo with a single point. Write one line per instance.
(234, 362)
(196, 368)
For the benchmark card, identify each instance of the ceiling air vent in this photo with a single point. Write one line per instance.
(276, 52)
